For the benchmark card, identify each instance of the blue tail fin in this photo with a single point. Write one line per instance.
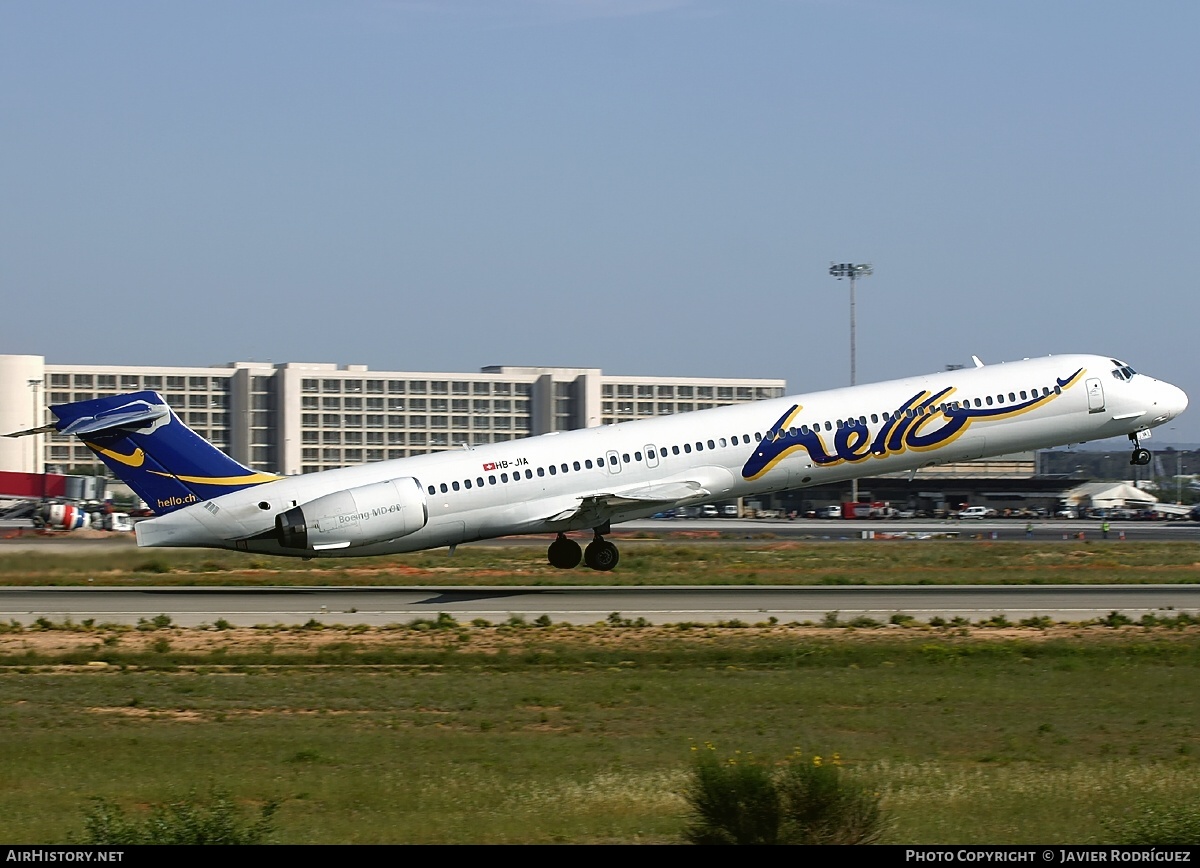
(145, 444)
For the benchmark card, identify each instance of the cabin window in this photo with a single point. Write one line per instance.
(432, 490)
(504, 477)
(675, 450)
(988, 399)
(662, 452)
(687, 447)
(444, 488)
(1058, 390)
(699, 446)
(637, 456)
(576, 465)
(467, 484)
(541, 472)
(553, 470)
(723, 444)
(491, 480)
(587, 463)
(874, 418)
(529, 473)
(454, 485)
(757, 436)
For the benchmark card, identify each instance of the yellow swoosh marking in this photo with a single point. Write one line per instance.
(248, 479)
(134, 460)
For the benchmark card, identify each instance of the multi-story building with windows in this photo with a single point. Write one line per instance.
(301, 417)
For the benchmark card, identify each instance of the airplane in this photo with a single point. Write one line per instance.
(590, 479)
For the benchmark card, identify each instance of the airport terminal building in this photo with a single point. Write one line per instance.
(300, 417)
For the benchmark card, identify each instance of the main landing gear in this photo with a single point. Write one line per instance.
(600, 555)
(1140, 456)
(564, 553)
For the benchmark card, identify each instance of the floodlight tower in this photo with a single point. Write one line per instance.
(853, 271)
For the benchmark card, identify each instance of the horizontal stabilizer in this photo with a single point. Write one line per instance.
(45, 429)
(103, 422)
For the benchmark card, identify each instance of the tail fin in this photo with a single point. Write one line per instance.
(145, 444)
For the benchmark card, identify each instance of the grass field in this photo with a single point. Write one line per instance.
(469, 734)
(643, 562)
(583, 734)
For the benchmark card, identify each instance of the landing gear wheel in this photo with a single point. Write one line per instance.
(601, 555)
(564, 553)
(1140, 457)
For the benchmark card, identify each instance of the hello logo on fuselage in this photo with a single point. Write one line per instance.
(926, 421)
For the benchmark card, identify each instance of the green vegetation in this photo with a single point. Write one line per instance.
(1163, 824)
(643, 562)
(582, 734)
(741, 800)
(183, 820)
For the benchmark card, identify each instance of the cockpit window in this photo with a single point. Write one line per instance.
(1124, 373)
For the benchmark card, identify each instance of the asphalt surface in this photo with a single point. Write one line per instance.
(378, 606)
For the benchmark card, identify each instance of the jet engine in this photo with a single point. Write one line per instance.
(355, 517)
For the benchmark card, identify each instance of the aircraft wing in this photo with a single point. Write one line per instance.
(600, 507)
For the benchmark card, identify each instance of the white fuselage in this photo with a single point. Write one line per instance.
(581, 479)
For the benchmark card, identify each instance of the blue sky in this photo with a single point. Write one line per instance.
(647, 186)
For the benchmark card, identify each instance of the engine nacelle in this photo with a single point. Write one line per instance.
(355, 517)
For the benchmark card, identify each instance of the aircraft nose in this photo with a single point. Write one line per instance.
(1169, 401)
(1174, 401)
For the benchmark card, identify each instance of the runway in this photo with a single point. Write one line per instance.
(586, 605)
(725, 530)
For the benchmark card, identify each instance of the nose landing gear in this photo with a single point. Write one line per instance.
(1140, 456)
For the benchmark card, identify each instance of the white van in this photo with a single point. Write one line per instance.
(976, 512)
